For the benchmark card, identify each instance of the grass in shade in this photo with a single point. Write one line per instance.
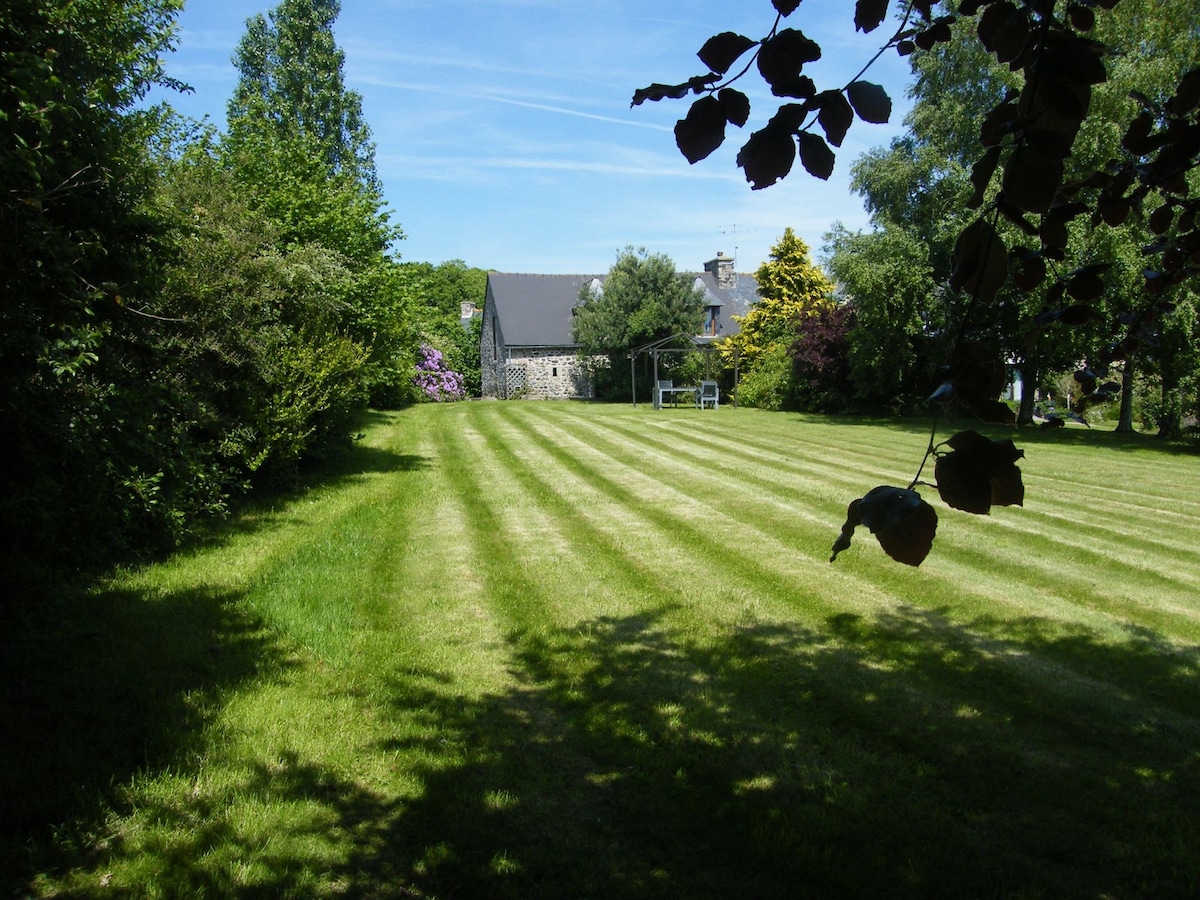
(539, 650)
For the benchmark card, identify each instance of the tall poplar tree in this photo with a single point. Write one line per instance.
(299, 145)
(290, 83)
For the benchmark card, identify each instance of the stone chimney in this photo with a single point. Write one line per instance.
(721, 269)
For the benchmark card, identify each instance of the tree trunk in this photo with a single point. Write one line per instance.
(1125, 419)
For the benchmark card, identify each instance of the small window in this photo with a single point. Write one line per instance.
(554, 371)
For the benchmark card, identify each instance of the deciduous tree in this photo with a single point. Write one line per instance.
(298, 143)
(1020, 176)
(643, 299)
(79, 246)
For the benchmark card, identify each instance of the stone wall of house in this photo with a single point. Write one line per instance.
(546, 374)
(491, 356)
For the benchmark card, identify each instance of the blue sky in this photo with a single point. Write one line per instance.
(505, 138)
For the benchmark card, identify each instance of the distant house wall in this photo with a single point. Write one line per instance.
(546, 373)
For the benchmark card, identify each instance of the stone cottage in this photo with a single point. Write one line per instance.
(526, 349)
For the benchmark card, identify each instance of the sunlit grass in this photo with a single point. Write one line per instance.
(545, 650)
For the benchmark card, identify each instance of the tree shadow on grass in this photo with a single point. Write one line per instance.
(346, 466)
(97, 687)
(905, 756)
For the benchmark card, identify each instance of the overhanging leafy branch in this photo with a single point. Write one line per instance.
(1020, 178)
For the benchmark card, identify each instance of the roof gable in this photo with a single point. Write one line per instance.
(535, 310)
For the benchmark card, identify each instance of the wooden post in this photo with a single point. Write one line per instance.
(654, 384)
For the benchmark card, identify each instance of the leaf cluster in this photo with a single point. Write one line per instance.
(974, 475)
(780, 57)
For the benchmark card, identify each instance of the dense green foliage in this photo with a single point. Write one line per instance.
(79, 256)
(894, 348)
(547, 650)
(643, 300)
(917, 191)
(188, 315)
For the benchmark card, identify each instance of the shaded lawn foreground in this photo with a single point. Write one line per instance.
(911, 751)
(904, 756)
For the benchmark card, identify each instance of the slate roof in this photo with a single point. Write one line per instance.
(734, 301)
(535, 310)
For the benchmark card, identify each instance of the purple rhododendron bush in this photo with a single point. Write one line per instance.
(437, 381)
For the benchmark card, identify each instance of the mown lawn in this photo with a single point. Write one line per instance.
(541, 650)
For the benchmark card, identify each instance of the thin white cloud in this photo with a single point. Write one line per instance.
(443, 168)
(496, 97)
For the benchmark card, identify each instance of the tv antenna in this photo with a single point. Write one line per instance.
(732, 229)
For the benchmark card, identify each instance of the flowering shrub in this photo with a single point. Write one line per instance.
(435, 379)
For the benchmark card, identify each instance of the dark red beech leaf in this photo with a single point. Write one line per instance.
(816, 156)
(785, 7)
(1054, 236)
(869, 15)
(1032, 178)
(1087, 380)
(1085, 284)
(735, 105)
(901, 521)
(981, 176)
(768, 156)
(976, 376)
(781, 58)
(1003, 30)
(1162, 219)
(1016, 216)
(979, 473)
(994, 412)
(1137, 136)
(1187, 94)
(870, 101)
(722, 50)
(1028, 269)
(657, 92)
(1074, 58)
(835, 115)
(702, 131)
(1077, 314)
(1082, 18)
(1001, 121)
(980, 261)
